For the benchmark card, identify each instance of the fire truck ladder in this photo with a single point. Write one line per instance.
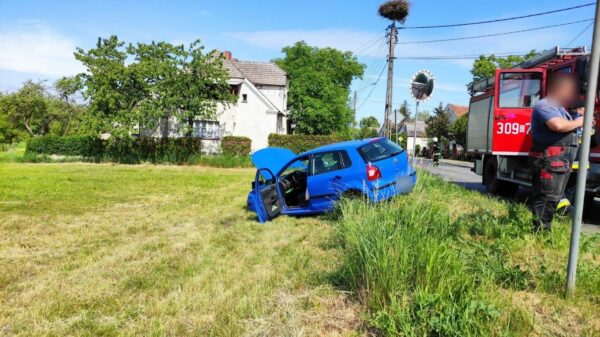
(545, 59)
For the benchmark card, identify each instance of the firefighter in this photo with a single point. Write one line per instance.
(564, 206)
(555, 143)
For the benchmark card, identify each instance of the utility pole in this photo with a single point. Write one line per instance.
(584, 154)
(392, 37)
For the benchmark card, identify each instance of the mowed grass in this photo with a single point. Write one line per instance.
(444, 261)
(99, 249)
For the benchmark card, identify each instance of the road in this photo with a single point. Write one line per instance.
(461, 174)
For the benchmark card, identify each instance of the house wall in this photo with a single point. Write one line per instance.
(422, 142)
(254, 118)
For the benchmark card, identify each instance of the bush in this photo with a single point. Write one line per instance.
(236, 146)
(82, 146)
(302, 143)
(130, 151)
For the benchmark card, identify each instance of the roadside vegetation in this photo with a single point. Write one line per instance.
(445, 261)
(105, 249)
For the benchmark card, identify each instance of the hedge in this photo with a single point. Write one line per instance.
(236, 146)
(82, 146)
(131, 151)
(302, 143)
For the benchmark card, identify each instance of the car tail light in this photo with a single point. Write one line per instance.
(373, 172)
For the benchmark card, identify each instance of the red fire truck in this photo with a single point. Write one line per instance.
(498, 134)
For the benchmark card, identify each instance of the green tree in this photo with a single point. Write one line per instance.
(320, 81)
(32, 110)
(369, 127)
(486, 66)
(459, 129)
(404, 111)
(438, 125)
(135, 87)
(369, 122)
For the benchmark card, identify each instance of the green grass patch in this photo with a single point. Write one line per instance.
(145, 250)
(444, 261)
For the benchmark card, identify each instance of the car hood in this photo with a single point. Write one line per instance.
(272, 158)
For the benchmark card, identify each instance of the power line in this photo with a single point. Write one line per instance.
(372, 89)
(500, 20)
(581, 33)
(496, 34)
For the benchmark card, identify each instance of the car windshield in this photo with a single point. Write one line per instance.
(379, 150)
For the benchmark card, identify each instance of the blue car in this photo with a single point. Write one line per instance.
(311, 183)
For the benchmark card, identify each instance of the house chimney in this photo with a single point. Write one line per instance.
(227, 55)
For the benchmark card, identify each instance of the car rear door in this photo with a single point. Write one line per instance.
(516, 92)
(268, 204)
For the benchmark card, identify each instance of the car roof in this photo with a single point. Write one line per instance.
(351, 144)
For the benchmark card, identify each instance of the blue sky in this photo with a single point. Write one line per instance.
(37, 37)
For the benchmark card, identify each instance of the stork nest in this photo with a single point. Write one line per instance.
(395, 10)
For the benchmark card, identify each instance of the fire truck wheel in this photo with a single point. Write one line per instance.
(495, 186)
(589, 202)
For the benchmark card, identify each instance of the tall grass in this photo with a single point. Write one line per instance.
(436, 262)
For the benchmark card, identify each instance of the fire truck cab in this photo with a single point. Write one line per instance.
(499, 128)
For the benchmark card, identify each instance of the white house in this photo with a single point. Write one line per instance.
(409, 129)
(261, 108)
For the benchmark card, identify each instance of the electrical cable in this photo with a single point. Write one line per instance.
(578, 35)
(500, 20)
(372, 89)
(495, 34)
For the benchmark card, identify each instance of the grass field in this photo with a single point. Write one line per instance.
(88, 249)
(100, 249)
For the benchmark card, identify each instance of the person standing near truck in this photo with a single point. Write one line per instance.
(555, 143)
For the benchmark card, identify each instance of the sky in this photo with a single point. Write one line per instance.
(38, 37)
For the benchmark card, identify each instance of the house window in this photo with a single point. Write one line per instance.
(244, 98)
(207, 129)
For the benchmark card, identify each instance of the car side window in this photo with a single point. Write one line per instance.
(327, 162)
(345, 158)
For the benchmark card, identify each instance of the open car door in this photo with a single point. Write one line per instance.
(266, 195)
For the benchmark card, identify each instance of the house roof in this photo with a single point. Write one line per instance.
(459, 110)
(264, 73)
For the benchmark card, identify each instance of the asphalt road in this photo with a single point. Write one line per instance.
(463, 176)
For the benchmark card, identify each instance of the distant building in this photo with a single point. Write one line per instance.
(261, 108)
(455, 111)
(408, 128)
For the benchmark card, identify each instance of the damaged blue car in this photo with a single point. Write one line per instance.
(311, 182)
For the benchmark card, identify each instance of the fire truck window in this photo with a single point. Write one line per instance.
(520, 90)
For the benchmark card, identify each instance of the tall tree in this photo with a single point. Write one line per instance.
(459, 129)
(438, 125)
(135, 87)
(485, 66)
(404, 111)
(32, 109)
(369, 122)
(320, 81)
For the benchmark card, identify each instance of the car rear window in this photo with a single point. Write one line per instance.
(379, 150)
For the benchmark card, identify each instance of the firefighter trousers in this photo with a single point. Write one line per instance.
(551, 171)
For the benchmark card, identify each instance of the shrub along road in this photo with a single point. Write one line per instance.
(99, 249)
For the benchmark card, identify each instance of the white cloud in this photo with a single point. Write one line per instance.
(37, 49)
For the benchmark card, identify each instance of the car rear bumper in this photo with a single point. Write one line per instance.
(383, 190)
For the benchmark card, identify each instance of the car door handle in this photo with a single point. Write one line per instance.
(336, 178)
